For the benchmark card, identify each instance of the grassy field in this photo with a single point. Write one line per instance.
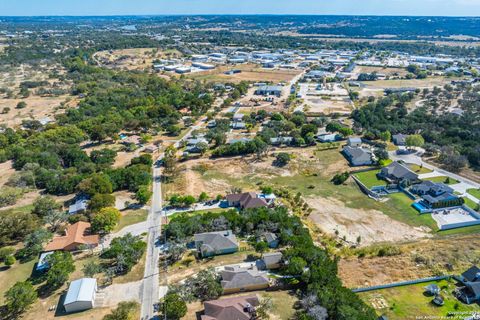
(403, 211)
(418, 169)
(17, 272)
(474, 192)
(470, 203)
(442, 179)
(369, 178)
(410, 302)
(130, 217)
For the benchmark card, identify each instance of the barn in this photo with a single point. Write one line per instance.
(80, 295)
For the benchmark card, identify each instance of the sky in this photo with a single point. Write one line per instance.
(160, 7)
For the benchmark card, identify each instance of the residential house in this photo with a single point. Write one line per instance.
(75, 236)
(237, 308)
(194, 141)
(215, 243)
(79, 206)
(397, 172)
(80, 295)
(238, 279)
(470, 292)
(271, 239)
(358, 156)
(354, 142)
(399, 139)
(246, 200)
(436, 195)
(272, 260)
(281, 141)
(269, 91)
(332, 137)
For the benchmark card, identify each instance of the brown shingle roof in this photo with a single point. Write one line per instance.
(230, 309)
(75, 235)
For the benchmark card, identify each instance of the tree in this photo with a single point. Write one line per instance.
(33, 244)
(261, 246)
(54, 219)
(44, 205)
(295, 266)
(340, 178)
(385, 136)
(19, 297)
(170, 159)
(174, 307)
(91, 268)
(282, 159)
(124, 311)
(203, 197)
(103, 157)
(345, 131)
(202, 147)
(97, 183)
(100, 201)
(61, 265)
(414, 140)
(126, 251)
(263, 310)
(9, 261)
(143, 194)
(206, 285)
(21, 105)
(105, 220)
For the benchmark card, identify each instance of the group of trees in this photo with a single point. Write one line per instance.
(311, 265)
(454, 138)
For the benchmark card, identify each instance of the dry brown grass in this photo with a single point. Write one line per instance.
(419, 259)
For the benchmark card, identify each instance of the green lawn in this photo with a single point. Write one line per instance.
(130, 217)
(402, 210)
(369, 178)
(199, 212)
(418, 169)
(475, 193)
(410, 302)
(470, 203)
(442, 179)
(17, 272)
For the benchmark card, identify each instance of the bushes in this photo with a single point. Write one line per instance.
(282, 159)
(105, 220)
(340, 178)
(9, 196)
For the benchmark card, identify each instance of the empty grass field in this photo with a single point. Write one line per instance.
(443, 179)
(418, 169)
(411, 302)
(130, 217)
(474, 192)
(369, 178)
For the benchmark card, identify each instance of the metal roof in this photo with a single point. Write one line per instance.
(81, 290)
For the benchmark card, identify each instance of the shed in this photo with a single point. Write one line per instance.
(81, 295)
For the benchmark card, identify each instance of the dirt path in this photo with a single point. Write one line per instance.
(371, 225)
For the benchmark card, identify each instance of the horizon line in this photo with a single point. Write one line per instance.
(233, 14)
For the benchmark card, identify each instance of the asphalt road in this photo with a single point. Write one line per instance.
(150, 292)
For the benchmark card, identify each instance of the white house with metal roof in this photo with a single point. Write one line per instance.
(81, 295)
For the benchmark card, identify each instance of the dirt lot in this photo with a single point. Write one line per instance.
(250, 72)
(415, 83)
(385, 71)
(420, 259)
(133, 59)
(372, 226)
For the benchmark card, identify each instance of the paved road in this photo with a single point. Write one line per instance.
(151, 293)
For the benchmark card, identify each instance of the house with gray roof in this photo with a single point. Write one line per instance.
(210, 244)
(238, 279)
(272, 260)
(397, 172)
(79, 206)
(269, 91)
(271, 239)
(354, 142)
(399, 139)
(358, 156)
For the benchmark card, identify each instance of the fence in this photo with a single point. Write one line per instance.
(400, 284)
(365, 189)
